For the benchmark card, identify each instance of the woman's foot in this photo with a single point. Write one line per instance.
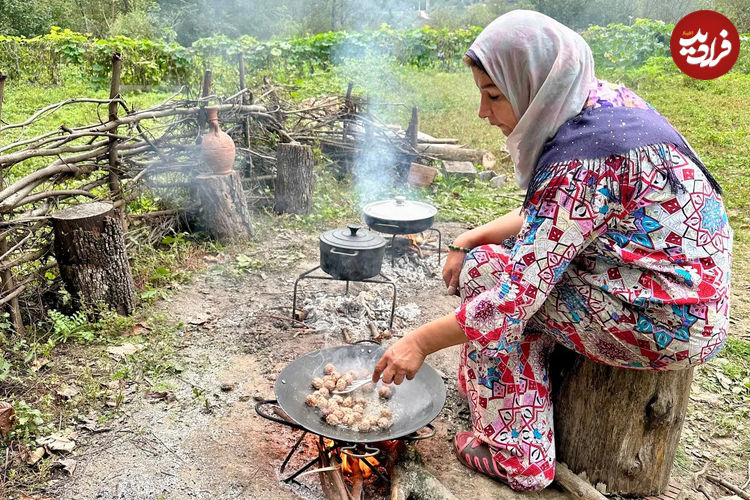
(476, 455)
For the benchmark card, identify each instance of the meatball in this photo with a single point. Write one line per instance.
(348, 378)
(348, 419)
(329, 368)
(335, 376)
(317, 382)
(348, 402)
(323, 392)
(311, 400)
(368, 387)
(386, 412)
(384, 422)
(338, 399)
(339, 413)
(332, 419)
(364, 425)
(341, 384)
(358, 407)
(385, 392)
(360, 401)
(330, 385)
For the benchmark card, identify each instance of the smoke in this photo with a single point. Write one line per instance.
(375, 165)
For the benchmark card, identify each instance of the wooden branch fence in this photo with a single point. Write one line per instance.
(130, 151)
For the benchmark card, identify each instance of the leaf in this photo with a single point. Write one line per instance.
(67, 392)
(57, 442)
(7, 415)
(38, 363)
(124, 350)
(34, 456)
(141, 329)
(68, 465)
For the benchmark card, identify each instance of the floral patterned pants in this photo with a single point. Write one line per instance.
(508, 390)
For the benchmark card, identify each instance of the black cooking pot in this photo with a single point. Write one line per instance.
(399, 216)
(351, 254)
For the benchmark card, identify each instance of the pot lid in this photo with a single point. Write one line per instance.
(400, 209)
(352, 238)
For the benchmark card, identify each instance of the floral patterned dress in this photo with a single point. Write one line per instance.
(612, 263)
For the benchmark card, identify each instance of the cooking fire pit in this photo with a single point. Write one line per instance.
(400, 216)
(351, 254)
(416, 403)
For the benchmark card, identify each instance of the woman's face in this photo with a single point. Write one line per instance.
(494, 105)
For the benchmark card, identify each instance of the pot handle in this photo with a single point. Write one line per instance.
(334, 251)
(385, 225)
(273, 414)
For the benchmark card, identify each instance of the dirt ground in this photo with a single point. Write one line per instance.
(208, 441)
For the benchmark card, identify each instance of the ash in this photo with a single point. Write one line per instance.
(333, 314)
(409, 268)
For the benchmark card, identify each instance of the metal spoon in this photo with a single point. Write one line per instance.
(355, 385)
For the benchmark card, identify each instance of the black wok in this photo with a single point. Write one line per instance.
(415, 403)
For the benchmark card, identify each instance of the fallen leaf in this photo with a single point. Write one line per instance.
(160, 396)
(67, 391)
(68, 465)
(140, 329)
(38, 363)
(57, 442)
(34, 456)
(121, 351)
(7, 415)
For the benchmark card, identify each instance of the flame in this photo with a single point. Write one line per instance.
(353, 466)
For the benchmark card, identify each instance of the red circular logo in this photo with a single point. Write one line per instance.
(705, 44)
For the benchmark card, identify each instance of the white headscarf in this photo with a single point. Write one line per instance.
(545, 69)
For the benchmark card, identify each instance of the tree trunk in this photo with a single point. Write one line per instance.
(223, 206)
(294, 179)
(620, 426)
(90, 251)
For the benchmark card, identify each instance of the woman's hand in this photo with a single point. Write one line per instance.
(452, 270)
(401, 360)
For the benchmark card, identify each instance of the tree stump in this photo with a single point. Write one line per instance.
(90, 250)
(293, 188)
(620, 426)
(223, 207)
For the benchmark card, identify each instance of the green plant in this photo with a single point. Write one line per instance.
(29, 422)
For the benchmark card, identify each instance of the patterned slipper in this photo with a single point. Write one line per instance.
(476, 455)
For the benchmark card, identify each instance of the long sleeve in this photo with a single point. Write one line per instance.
(565, 215)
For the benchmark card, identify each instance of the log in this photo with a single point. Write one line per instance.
(410, 479)
(223, 207)
(456, 153)
(293, 187)
(575, 485)
(90, 251)
(621, 427)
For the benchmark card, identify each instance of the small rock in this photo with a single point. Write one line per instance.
(459, 169)
(486, 175)
(498, 181)
(227, 386)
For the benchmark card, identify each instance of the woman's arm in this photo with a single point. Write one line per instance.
(403, 359)
(496, 231)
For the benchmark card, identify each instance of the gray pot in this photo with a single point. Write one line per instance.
(351, 254)
(399, 216)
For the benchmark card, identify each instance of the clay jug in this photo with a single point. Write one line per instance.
(217, 148)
